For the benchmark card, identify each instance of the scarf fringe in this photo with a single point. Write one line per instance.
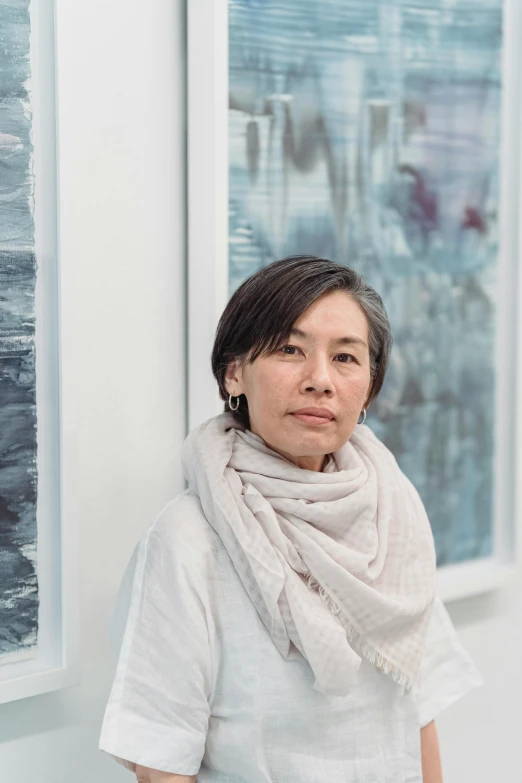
(357, 641)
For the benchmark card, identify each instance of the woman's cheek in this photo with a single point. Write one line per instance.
(279, 386)
(355, 394)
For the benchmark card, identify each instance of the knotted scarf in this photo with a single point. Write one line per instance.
(339, 564)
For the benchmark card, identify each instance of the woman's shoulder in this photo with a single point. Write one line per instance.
(176, 558)
(182, 528)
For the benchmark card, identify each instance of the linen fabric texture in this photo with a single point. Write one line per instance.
(339, 564)
(201, 689)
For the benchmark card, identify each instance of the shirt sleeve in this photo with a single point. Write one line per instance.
(447, 671)
(158, 710)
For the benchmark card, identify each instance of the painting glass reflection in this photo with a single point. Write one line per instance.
(367, 132)
(18, 485)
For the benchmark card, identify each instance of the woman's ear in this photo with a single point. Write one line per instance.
(234, 379)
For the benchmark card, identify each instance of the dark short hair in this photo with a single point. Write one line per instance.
(262, 311)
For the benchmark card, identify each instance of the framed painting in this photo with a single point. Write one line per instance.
(385, 136)
(38, 590)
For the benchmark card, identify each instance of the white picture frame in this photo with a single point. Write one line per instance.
(207, 278)
(56, 664)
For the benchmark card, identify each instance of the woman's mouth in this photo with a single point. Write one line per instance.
(315, 419)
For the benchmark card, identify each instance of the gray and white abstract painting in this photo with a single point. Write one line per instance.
(367, 132)
(18, 478)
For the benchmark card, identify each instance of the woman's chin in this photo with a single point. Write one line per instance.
(311, 444)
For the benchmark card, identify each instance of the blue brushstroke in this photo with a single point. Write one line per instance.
(18, 479)
(367, 131)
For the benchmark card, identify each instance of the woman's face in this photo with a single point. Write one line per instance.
(325, 364)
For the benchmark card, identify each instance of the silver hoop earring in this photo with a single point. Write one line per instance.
(364, 417)
(230, 403)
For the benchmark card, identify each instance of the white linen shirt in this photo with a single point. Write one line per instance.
(200, 688)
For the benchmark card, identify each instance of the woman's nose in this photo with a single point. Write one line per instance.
(317, 374)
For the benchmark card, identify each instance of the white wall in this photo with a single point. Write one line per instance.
(121, 112)
(480, 735)
(122, 181)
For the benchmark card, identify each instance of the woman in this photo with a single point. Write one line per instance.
(279, 620)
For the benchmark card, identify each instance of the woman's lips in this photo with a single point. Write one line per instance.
(307, 418)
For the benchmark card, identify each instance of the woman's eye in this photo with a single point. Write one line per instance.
(289, 350)
(343, 358)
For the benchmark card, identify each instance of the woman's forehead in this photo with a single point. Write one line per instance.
(334, 316)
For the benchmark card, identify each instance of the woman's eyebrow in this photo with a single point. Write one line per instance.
(348, 340)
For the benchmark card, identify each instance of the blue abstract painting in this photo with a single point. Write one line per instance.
(18, 478)
(367, 132)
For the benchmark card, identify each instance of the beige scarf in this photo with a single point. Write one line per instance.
(339, 564)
